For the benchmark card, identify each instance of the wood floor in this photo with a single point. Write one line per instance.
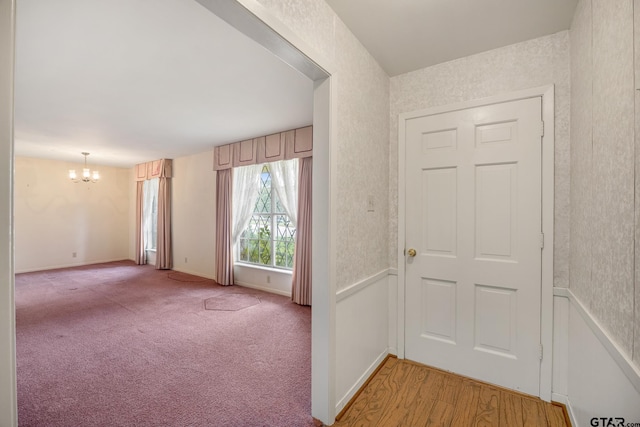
(404, 393)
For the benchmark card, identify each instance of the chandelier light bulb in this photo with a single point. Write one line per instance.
(87, 175)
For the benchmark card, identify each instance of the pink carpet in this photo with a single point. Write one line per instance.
(118, 344)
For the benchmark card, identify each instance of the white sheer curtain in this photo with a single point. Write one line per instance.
(141, 255)
(149, 213)
(246, 183)
(284, 180)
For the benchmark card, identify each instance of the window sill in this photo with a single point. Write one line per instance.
(263, 268)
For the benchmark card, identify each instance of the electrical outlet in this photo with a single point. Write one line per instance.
(185, 260)
(268, 279)
(74, 254)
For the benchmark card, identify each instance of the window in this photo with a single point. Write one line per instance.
(269, 239)
(150, 213)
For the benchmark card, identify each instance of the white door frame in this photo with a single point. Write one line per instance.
(8, 393)
(548, 143)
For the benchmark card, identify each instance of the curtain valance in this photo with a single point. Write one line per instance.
(292, 144)
(156, 169)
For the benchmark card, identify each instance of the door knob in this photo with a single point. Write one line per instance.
(411, 252)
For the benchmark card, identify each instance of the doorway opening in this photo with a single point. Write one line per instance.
(252, 23)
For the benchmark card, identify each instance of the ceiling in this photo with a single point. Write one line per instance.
(406, 35)
(135, 80)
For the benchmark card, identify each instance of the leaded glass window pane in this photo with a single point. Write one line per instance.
(269, 239)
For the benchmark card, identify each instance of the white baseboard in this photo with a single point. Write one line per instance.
(263, 288)
(561, 398)
(572, 416)
(76, 264)
(363, 378)
(194, 273)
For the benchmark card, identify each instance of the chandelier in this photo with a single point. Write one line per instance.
(87, 175)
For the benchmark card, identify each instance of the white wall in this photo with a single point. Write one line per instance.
(362, 338)
(596, 380)
(55, 217)
(559, 385)
(194, 214)
(265, 279)
(597, 385)
(393, 311)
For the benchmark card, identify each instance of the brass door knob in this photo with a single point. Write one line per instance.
(411, 252)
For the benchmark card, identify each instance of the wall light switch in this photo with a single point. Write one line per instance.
(370, 203)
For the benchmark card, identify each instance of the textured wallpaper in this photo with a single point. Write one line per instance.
(636, 43)
(613, 169)
(362, 146)
(363, 166)
(603, 184)
(530, 64)
(311, 20)
(581, 152)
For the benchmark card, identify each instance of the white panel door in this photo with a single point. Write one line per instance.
(473, 216)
